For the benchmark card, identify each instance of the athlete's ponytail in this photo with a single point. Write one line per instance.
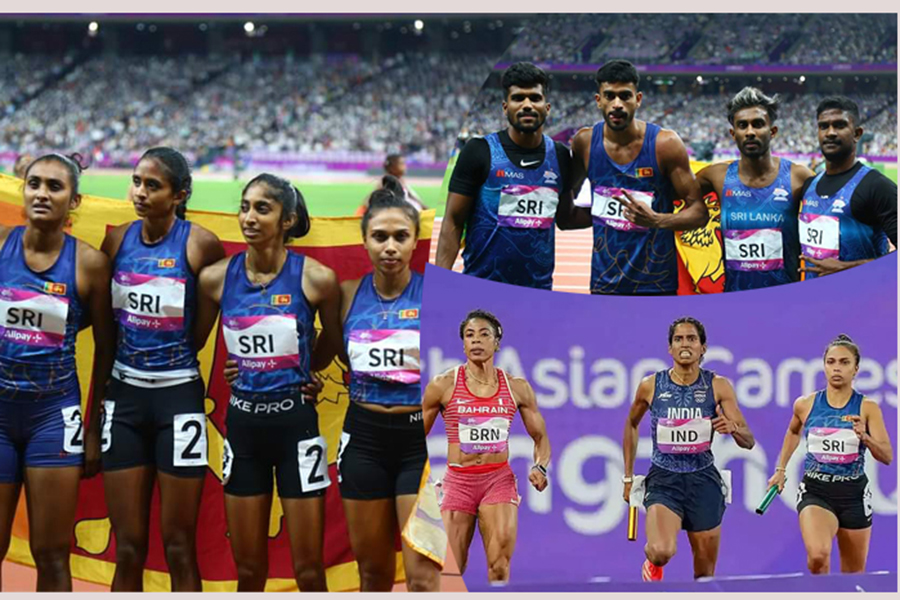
(843, 341)
(291, 200)
(177, 171)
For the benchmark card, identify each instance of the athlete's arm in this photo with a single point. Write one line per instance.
(432, 400)
(871, 431)
(321, 283)
(711, 179)
(210, 282)
(348, 293)
(536, 428)
(569, 216)
(94, 272)
(729, 419)
(642, 398)
(828, 266)
(469, 174)
(791, 440)
(203, 248)
(672, 158)
(113, 240)
(456, 214)
(800, 174)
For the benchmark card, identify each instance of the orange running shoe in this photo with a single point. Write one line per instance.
(650, 572)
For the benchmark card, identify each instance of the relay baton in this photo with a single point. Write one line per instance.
(767, 500)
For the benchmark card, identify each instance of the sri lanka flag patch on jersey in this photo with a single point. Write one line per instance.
(645, 172)
(55, 288)
(409, 313)
(166, 263)
(281, 299)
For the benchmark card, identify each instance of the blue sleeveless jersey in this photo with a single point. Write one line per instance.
(510, 232)
(828, 230)
(381, 338)
(269, 330)
(832, 447)
(41, 314)
(627, 258)
(154, 295)
(759, 230)
(681, 423)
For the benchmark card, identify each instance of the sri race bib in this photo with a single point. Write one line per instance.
(385, 354)
(608, 210)
(831, 445)
(753, 250)
(33, 318)
(263, 343)
(483, 435)
(148, 302)
(683, 436)
(527, 207)
(820, 235)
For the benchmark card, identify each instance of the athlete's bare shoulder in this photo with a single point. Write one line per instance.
(113, 239)
(521, 389)
(581, 143)
(4, 233)
(349, 288)
(319, 275)
(203, 237)
(803, 405)
(443, 384)
(213, 275)
(799, 176)
(90, 258)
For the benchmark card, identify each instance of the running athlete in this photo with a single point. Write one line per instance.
(269, 297)
(760, 196)
(834, 498)
(849, 212)
(505, 189)
(636, 171)
(478, 402)
(684, 489)
(155, 420)
(383, 451)
(51, 285)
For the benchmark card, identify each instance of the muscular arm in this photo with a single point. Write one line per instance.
(533, 421)
(570, 216)
(320, 278)
(795, 427)
(432, 401)
(209, 296)
(727, 403)
(204, 248)
(673, 158)
(876, 437)
(348, 293)
(799, 176)
(456, 214)
(642, 398)
(711, 179)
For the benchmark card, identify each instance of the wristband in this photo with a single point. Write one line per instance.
(782, 469)
(541, 468)
(627, 479)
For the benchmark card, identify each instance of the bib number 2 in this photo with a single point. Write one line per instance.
(189, 447)
(312, 458)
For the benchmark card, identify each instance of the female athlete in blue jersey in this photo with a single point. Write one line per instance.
(383, 452)
(155, 420)
(834, 498)
(51, 285)
(269, 296)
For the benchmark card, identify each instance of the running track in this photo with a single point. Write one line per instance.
(573, 258)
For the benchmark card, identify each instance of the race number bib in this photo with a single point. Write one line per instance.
(33, 318)
(263, 343)
(832, 445)
(683, 436)
(483, 435)
(312, 458)
(385, 354)
(753, 250)
(609, 211)
(527, 207)
(820, 236)
(148, 302)
(189, 440)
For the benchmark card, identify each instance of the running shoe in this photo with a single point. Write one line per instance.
(650, 572)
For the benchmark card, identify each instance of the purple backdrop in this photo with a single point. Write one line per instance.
(585, 355)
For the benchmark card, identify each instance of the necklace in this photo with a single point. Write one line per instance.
(257, 279)
(673, 373)
(469, 374)
(385, 313)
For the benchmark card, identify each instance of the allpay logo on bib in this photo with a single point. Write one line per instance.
(527, 207)
(263, 343)
(148, 301)
(483, 435)
(32, 318)
(386, 354)
(607, 210)
(753, 250)
(683, 436)
(820, 235)
(832, 445)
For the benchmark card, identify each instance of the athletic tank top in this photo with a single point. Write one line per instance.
(681, 423)
(627, 258)
(154, 298)
(269, 330)
(828, 229)
(832, 447)
(40, 314)
(382, 340)
(759, 229)
(479, 425)
(510, 233)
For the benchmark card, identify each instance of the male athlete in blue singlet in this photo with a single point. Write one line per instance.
(684, 489)
(505, 191)
(636, 171)
(759, 195)
(848, 213)
(834, 499)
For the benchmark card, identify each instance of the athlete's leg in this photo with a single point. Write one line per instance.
(663, 525)
(498, 524)
(128, 494)
(9, 500)
(705, 547)
(460, 531)
(422, 573)
(372, 525)
(248, 530)
(853, 544)
(179, 499)
(51, 494)
(305, 519)
(818, 526)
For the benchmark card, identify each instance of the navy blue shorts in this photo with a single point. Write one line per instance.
(697, 497)
(45, 433)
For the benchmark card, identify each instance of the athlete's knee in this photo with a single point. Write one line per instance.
(660, 552)
(131, 553)
(253, 573)
(310, 576)
(498, 569)
(51, 559)
(424, 577)
(818, 559)
(180, 552)
(376, 575)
